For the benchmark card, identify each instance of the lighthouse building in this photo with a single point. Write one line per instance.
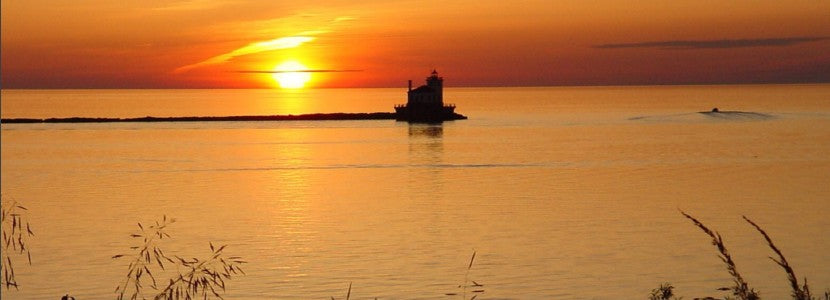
(426, 103)
(431, 93)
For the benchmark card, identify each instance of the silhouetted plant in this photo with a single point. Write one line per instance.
(477, 287)
(800, 292)
(740, 288)
(16, 233)
(664, 292)
(348, 293)
(201, 277)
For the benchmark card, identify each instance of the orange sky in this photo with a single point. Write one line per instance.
(224, 43)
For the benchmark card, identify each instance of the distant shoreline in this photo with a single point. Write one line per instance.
(303, 117)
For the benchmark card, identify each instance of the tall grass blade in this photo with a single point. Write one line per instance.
(740, 289)
(798, 292)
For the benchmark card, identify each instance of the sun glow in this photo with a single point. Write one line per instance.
(291, 75)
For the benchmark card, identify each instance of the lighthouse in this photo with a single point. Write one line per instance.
(425, 104)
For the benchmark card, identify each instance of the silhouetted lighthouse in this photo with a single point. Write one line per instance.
(426, 103)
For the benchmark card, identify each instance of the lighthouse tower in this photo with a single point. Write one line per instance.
(431, 94)
(426, 103)
(437, 85)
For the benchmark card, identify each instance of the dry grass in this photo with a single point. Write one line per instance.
(16, 233)
(476, 288)
(800, 292)
(740, 288)
(203, 278)
(348, 293)
(664, 292)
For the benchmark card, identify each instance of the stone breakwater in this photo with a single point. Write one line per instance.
(302, 117)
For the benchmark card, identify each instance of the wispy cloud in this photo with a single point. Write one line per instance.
(275, 44)
(344, 19)
(269, 45)
(716, 44)
(298, 71)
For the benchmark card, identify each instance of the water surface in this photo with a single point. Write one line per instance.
(565, 193)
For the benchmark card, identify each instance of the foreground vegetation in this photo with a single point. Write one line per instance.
(16, 233)
(205, 278)
(740, 288)
(194, 278)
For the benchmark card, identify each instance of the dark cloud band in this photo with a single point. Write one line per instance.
(715, 44)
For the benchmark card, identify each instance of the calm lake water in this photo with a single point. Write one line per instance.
(565, 193)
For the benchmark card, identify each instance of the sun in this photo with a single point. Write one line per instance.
(291, 75)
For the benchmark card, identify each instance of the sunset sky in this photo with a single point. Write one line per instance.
(240, 43)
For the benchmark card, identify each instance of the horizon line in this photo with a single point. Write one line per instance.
(458, 86)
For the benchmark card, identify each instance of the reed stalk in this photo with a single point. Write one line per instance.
(203, 278)
(348, 293)
(469, 283)
(740, 288)
(16, 232)
(799, 292)
(664, 292)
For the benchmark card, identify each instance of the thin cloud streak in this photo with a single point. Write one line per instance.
(716, 44)
(252, 48)
(297, 71)
(343, 19)
(269, 45)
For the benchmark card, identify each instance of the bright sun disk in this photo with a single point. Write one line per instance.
(291, 80)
